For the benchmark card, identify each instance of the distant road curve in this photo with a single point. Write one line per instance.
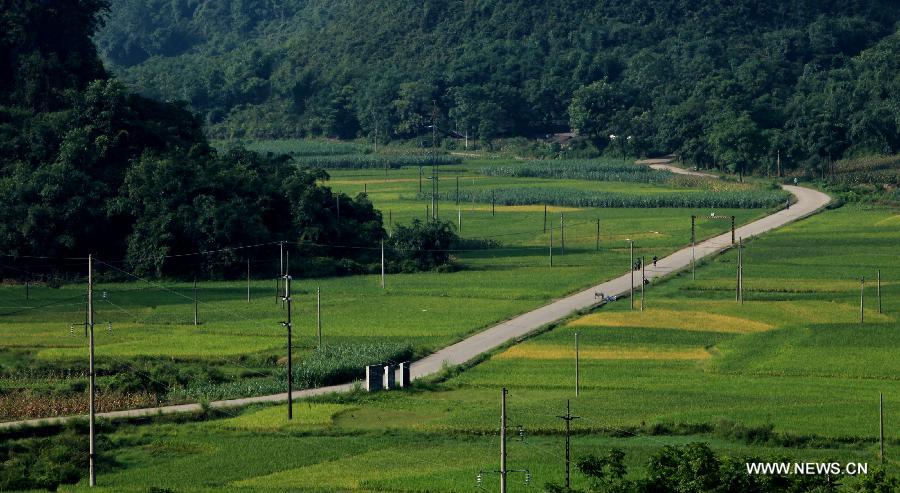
(809, 202)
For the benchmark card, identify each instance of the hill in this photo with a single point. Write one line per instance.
(737, 82)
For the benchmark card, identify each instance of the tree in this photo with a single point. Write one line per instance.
(736, 142)
(593, 110)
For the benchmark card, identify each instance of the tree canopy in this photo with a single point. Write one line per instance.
(88, 167)
(811, 80)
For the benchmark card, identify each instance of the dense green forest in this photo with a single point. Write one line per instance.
(738, 83)
(87, 167)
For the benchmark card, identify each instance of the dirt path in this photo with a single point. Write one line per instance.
(808, 202)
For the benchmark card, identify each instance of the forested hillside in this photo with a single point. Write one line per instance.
(721, 81)
(88, 167)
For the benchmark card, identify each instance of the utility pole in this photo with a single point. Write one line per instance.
(568, 418)
(562, 234)
(434, 175)
(598, 235)
(288, 326)
(551, 245)
(862, 301)
(741, 252)
(457, 190)
(643, 281)
(878, 286)
(248, 280)
(493, 204)
(693, 248)
(319, 314)
(737, 286)
(196, 307)
(732, 230)
(778, 164)
(545, 218)
(92, 481)
(631, 268)
(337, 200)
(281, 267)
(576, 365)
(881, 427)
(27, 291)
(382, 264)
(503, 442)
(420, 180)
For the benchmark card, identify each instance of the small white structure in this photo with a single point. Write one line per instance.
(404, 375)
(374, 378)
(388, 382)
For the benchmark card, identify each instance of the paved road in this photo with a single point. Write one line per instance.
(808, 202)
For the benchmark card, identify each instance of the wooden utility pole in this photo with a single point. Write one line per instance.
(290, 368)
(732, 230)
(248, 280)
(631, 268)
(319, 314)
(598, 235)
(576, 365)
(503, 441)
(551, 245)
(545, 218)
(281, 268)
(862, 300)
(493, 204)
(420, 180)
(382, 264)
(643, 281)
(196, 306)
(693, 249)
(562, 234)
(741, 267)
(92, 457)
(778, 164)
(878, 287)
(881, 427)
(568, 418)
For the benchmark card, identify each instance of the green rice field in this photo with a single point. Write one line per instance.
(790, 373)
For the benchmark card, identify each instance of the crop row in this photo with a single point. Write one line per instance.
(376, 161)
(749, 199)
(327, 366)
(868, 163)
(581, 169)
(298, 147)
(875, 176)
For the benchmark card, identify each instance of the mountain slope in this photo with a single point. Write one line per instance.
(678, 72)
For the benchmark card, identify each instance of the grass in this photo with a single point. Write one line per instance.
(796, 384)
(153, 322)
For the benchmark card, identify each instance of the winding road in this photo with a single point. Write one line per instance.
(808, 202)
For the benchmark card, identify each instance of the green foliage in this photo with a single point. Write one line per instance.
(423, 245)
(379, 161)
(581, 169)
(46, 463)
(329, 365)
(748, 199)
(809, 81)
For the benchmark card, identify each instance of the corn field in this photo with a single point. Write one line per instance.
(581, 169)
(376, 161)
(747, 199)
